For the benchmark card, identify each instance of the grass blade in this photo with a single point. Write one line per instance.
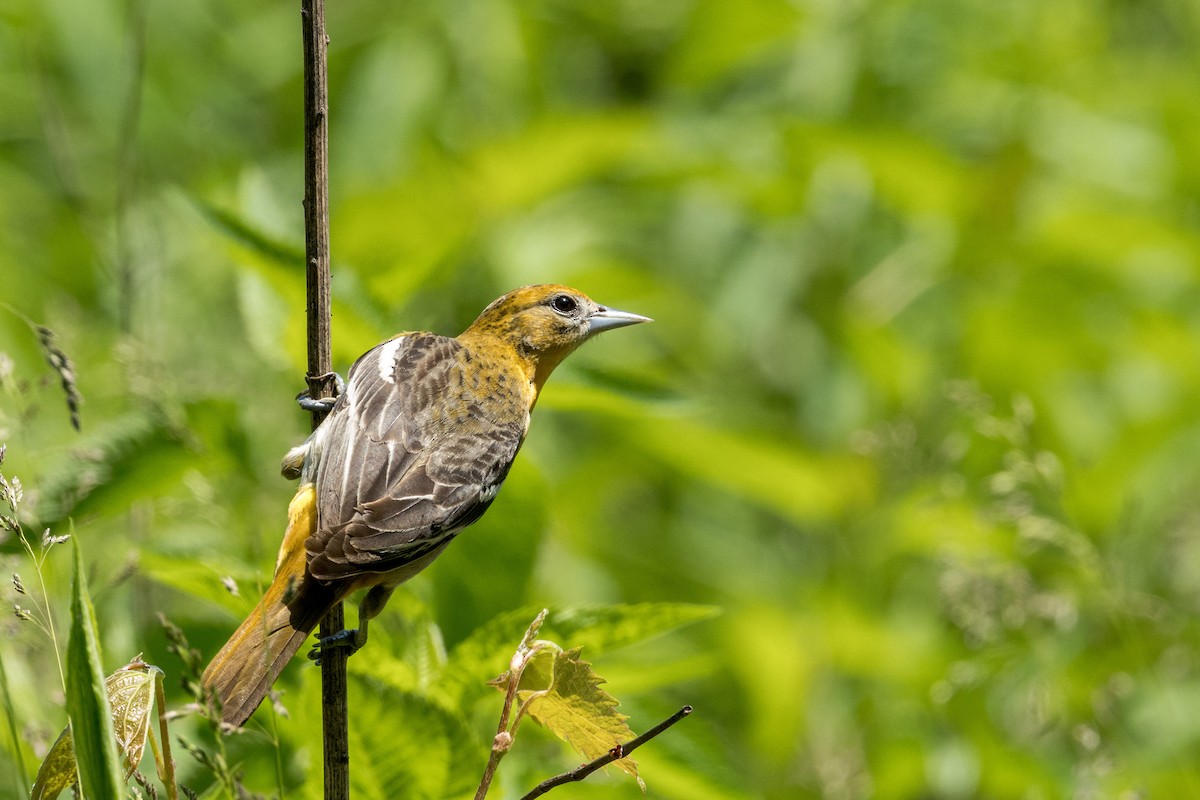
(87, 703)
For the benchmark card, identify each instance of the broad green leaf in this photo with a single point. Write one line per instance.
(482, 656)
(575, 708)
(803, 486)
(20, 776)
(92, 728)
(57, 771)
(599, 629)
(199, 580)
(725, 37)
(287, 254)
(553, 154)
(909, 171)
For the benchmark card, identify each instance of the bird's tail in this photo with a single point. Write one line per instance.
(241, 674)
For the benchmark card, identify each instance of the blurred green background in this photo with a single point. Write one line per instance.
(918, 412)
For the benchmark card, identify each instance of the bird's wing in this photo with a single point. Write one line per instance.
(410, 457)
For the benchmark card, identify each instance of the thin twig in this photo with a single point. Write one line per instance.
(620, 751)
(503, 740)
(335, 714)
(165, 762)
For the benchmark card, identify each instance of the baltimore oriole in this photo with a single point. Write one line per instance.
(413, 451)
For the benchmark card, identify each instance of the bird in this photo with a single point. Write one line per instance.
(413, 450)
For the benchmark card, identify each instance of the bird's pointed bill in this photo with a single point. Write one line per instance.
(608, 318)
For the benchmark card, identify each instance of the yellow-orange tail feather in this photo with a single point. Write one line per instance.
(241, 674)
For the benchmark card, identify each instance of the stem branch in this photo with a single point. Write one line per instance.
(620, 751)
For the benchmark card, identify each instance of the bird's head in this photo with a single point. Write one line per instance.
(545, 323)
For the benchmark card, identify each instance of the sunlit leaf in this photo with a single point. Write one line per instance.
(570, 702)
(198, 580)
(130, 692)
(131, 697)
(599, 629)
(57, 771)
(482, 655)
(724, 38)
(803, 486)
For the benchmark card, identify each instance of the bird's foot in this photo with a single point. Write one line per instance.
(325, 404)
(352, 639)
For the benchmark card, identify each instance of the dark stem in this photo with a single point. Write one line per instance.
(620, 751)
(320, 360)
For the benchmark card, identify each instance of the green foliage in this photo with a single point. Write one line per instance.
(564, 694)
(131, 693)
(430, 764)
(92, 735)
(917, 412)
(446, 695)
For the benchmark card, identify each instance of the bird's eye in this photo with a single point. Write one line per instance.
(563, 303)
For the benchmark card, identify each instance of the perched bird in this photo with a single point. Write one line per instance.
(413, 451)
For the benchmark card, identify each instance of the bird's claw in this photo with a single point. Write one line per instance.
(322, 405)
(307, 403)
(348, 639)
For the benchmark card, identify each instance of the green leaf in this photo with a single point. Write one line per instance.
(803, 487)
(481, 656)
(557, 152)
(575, 708)
(427, 760)
(87, 702)
(201, 580)
(287, 254)
(724, 37)
(20, 777)
(57, 771)
(130, 692)
(600, 629)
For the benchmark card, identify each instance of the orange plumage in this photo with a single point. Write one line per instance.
(412, 452)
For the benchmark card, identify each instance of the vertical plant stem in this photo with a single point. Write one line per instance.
(166, 762)
(320, 360)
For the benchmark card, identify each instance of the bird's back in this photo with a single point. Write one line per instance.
(414, 451)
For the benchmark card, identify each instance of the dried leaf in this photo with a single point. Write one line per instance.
(131, 696)
(130, 693)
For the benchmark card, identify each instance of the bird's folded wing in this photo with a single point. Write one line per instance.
(405, 463)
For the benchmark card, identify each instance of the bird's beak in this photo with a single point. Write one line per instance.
(606, 319)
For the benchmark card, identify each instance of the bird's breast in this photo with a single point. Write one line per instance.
(487, 385)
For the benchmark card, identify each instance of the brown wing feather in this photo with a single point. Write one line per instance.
(411, 457)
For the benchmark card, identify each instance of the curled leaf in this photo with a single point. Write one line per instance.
(131, 698)
(130, 693)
